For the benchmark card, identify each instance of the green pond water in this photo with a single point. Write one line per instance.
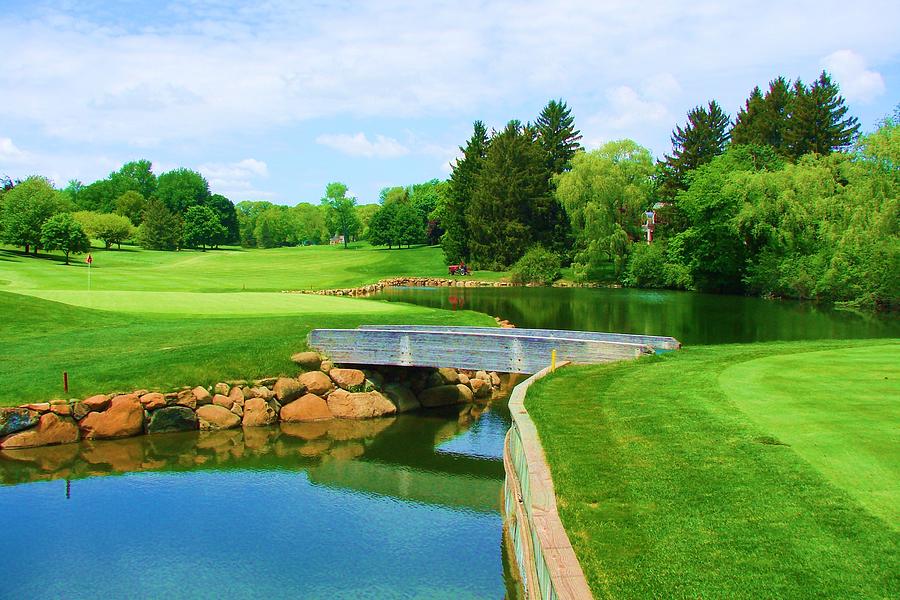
(692, 318)
(404, 507)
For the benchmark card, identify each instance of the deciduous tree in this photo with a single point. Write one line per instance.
(25, 209)
(202, 227)
(62, 232)
(340, 215)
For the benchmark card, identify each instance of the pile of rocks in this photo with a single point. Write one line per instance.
(322, 392)
(366, 290)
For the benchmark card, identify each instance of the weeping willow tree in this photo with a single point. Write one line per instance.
(605, 194)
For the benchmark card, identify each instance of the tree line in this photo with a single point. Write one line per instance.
(786, 200)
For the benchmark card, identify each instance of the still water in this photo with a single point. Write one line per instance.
(692, 318)
(405, 507)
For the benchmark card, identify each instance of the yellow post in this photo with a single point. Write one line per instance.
(553, 360)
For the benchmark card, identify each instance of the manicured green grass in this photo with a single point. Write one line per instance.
(106, 351)
(226, 270)
(700, 474)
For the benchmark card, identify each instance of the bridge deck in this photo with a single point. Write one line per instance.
(491, 349)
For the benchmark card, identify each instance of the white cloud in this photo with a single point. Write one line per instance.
(627, 112)
(10, 153)
(359, 145)
(857, 82)
(236, 180)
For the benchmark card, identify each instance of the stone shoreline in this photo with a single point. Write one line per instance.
(462, 282)
(321, 392)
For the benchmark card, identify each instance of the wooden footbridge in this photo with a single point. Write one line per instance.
(488, 348)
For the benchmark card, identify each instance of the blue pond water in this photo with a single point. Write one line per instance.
(397, 508)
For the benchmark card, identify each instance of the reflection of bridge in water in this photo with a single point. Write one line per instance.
(398, 457)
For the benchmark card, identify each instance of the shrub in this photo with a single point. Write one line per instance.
(650, 266)
(538, 265)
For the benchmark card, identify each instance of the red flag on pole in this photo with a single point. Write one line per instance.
(89, 259)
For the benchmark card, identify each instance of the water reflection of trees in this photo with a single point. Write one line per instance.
(692, 318)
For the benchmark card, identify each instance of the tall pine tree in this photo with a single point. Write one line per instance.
(511, 208)
(455, 241)
(763, 119)
(818, 120)
(703, 138)
(558, 136)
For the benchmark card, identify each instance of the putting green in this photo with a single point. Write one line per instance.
(227, 304)
(837, 409)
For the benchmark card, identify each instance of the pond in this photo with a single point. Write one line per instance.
(691, 317)
(405, 507)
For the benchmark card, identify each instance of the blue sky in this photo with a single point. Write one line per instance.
(272, 100)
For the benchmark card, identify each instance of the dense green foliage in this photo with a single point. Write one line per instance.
(111, 228)
(62, 232)
(537, 265)
(25, 209)
(455, 240)
(202, 228)
(340, 212)
(729, 471)
(605, 193)
(160, 228)
(702, 138)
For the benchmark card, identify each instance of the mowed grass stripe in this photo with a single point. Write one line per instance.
(224, 304)
(838, 409)
(669, 490)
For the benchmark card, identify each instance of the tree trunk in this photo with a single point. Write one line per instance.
(67, 257)
(27, 246)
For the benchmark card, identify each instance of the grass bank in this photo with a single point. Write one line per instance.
(105, 350)
(226, 270)
(762, 470)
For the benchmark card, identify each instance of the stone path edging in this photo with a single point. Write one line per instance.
(543, 552)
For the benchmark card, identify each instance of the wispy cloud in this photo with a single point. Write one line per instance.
(237, 180)
(856, 81)
(358, 144)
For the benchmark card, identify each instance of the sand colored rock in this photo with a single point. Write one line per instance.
(223, 401)
(51, 429)
(236, 395)
(316, 382)
(465, 393)
(361, 405)
(448, 375)
(258, 413)
(202, 395)
(213, 416)
(123, 418)
(98, 402)
(153, 400)
(348, 379)
(307, 408)
(222, 388)
(310, 361)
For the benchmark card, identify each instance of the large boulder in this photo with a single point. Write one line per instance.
(442, 395)
(348, 379)
(187, 399)
(481, 388)
(360, 405)
(316, 382)
(311, 361)
(288, 390)
(51, 429)
(258, 413)
(259, 391)
(213, 416)
(402, 397)
(307, 408)
(123, 418)
(172, 418)
(13, 420)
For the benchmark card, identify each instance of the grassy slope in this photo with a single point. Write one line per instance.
(163, 319)
(104, 351)
(230, 270)
(668, 489)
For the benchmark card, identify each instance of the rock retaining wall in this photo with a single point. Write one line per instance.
(366, 290)
(321, 392)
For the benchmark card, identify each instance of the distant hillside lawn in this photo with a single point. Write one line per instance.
(165, 319)
(753, 471)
